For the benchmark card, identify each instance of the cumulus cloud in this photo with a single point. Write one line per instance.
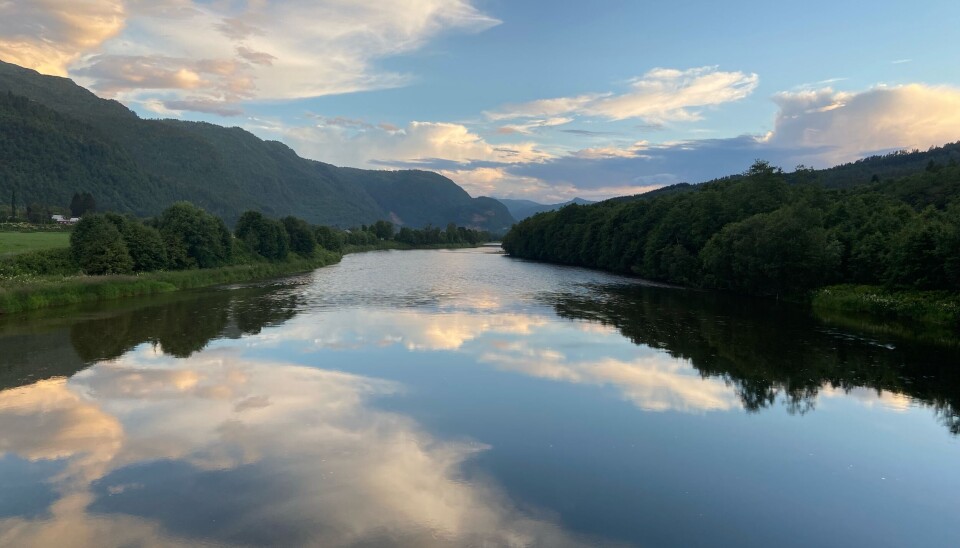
(658, 96)
(498, 181)
(827, 127)
(48, 35)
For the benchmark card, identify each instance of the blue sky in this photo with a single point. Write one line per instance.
(539, 100)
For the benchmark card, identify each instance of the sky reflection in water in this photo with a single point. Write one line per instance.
(454, 398)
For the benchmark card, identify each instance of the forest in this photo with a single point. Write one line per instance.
(769, 233)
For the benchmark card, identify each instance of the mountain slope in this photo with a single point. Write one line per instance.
(521, 209)
(141, 166)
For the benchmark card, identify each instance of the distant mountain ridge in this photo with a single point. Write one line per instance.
(57, 138)
(521, 209)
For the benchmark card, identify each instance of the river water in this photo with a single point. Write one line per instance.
(464, 398)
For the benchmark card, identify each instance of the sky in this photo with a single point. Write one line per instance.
(541, 100)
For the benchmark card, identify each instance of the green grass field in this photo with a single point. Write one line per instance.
(12, 243)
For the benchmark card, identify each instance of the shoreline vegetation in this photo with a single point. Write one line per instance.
(888, 248)
(931, 316)
(113, 257)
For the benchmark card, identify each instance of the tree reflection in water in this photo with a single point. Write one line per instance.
(770, 350)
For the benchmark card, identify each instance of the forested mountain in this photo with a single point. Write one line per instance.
(64, 139)
(425, 197)
(760, 234)
(521, 209)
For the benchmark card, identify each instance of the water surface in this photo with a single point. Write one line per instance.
(463, 398)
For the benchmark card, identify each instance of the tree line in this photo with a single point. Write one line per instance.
(185, 237)
(758, 234)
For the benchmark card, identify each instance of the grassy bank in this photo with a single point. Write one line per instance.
(932, 307)
(931, 316)
(31, 293)
(19, 293)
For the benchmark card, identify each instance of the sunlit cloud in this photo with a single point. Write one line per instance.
(191, 54)
(48, 35)
(827, 127)
(660, 95)
(361, 144)
(498, 181)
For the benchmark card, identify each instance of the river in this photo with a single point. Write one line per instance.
(465, 398)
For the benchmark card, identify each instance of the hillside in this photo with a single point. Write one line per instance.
(65, 139)
(521, 209)
(884, 168)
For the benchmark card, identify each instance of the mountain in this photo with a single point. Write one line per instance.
(521, 209)
(57, 138)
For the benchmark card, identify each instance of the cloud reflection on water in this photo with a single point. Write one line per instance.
(325, 467)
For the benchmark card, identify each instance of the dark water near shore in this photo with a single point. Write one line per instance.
(462, 398)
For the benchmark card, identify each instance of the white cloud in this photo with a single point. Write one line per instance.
(531, 126)
(365, 145)
(820, 128)
(658, 96)
(226, 51)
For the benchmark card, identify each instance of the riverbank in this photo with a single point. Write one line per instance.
(23, 293)
(916, 314)
(31, 293)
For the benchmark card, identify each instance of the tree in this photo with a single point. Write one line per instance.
(144, 243)
(329, 238)
(263, 236)
(81, 204)
(302, 240)
(452, 235)
(76, 205)
(13, 205)
(383, 230)
(772, 254)
(193, 238)
(36, 213)
(98, 247)
(89, 204)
